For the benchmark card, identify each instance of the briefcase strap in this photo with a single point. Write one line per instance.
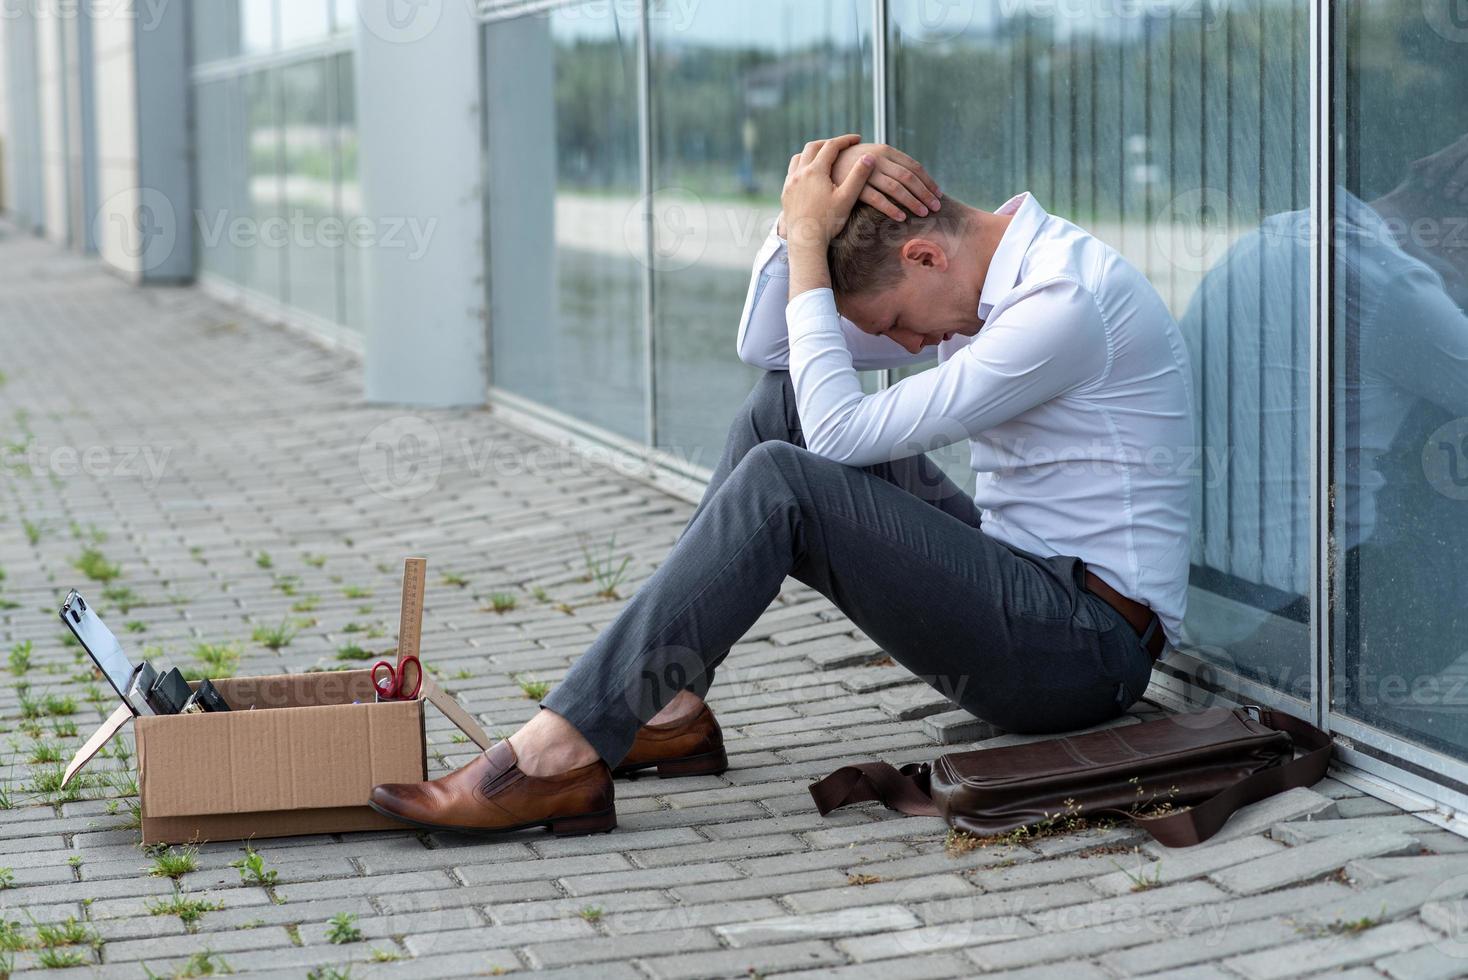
(907, 789)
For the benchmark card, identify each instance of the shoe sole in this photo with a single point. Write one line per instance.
(587, 823)
(708, 764)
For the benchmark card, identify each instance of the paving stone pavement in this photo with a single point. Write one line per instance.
(232, 473)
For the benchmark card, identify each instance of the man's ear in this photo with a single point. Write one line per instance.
(926, 253)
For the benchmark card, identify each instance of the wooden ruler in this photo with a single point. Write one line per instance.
(410, 624)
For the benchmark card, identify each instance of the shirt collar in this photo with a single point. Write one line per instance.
(1004, 266)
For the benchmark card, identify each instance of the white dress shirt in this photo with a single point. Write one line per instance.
(1075, 398)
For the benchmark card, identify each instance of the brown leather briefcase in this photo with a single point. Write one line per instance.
(1179, 777)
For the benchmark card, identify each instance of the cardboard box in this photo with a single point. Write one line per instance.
(296, 754)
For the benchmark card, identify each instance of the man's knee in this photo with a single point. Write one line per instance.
(771, 464)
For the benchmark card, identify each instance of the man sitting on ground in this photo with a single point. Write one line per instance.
(1039, 604)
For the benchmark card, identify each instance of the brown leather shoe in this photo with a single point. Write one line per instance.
(492, 796)
(693, 747)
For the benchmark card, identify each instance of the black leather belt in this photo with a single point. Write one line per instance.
(1141, 617)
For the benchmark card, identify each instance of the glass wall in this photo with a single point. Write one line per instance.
(565, 214)
(735, 90)
(1179, 135)
(275, 144)
(1400, 371)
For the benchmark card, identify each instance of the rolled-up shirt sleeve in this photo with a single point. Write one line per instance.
(1049, 341)
(763, 340)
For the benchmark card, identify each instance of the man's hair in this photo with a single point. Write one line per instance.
(865, 256)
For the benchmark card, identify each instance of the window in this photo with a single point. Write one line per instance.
(1180, 139)
(1400, 373)
(736, 89)
(564, 214)
(276, 157)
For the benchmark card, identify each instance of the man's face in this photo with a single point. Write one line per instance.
(929, 304)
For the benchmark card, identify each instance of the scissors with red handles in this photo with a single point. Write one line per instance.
(397, 682)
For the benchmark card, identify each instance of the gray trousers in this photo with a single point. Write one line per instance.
(1014, 638)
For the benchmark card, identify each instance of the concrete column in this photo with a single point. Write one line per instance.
(417, 78)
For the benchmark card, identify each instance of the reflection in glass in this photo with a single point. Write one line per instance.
(216, 30)
(217, 125)
(309, 186)
(736, 89)
(343, 15)
(1400, 385)
(349, 193)
(257, 25)
(262, 256)
(1171, 135)
(304, 21)
(565, 236)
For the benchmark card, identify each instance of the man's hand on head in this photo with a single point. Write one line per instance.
(897, 185)
(814, 204)
(816, 207)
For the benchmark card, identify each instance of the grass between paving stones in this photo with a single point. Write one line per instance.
(188, 909)
(275, 637)
(94, 565)
(215, 660)
(342, 928)
(531, 688)
(168, 863)
(252, 869)
(204, 963)
(603, 569)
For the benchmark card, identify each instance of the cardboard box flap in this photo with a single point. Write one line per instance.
(99, 738)
(454, 711)
(280, 759)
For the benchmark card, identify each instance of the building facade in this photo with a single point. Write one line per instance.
(553, 206)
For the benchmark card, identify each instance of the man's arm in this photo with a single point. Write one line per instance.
(765, 343)
(1050, 342)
